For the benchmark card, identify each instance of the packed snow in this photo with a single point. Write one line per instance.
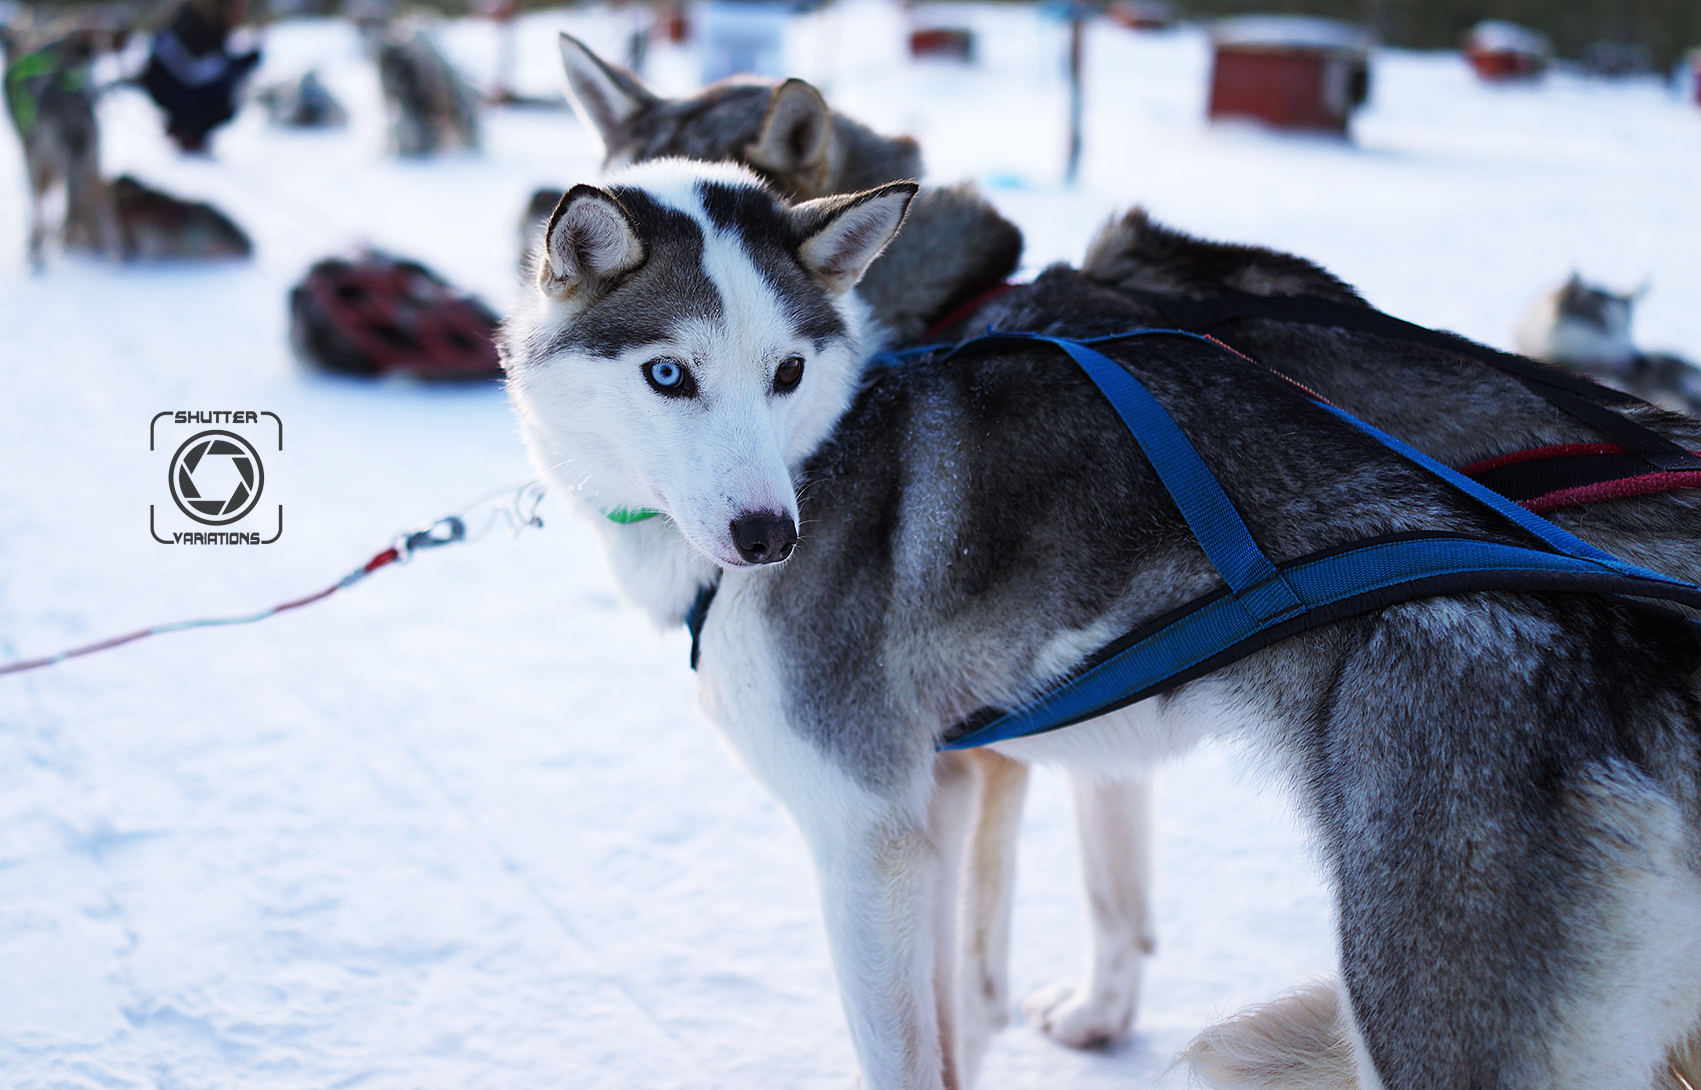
(459, 825)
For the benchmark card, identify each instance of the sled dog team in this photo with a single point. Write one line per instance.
(1504, 778)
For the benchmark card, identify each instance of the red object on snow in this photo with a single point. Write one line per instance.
(1289, 72)
(377, 314)
(1500, 52)
(952, 43)
(1142, 14)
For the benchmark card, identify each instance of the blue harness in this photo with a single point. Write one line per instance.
(1263, 601)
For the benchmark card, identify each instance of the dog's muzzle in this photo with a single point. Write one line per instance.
(763, 537)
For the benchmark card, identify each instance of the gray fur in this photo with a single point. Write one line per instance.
(670, 287)
(954, 245)
(1454, 751)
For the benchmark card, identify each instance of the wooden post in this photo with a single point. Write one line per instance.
(1077, 23)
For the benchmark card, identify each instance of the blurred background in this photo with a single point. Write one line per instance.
(459, 825)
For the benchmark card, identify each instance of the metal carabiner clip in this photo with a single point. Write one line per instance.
(445, 531)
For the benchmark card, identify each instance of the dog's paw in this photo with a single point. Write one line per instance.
(1070, 1015)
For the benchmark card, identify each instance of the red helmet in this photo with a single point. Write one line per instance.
(375, 314)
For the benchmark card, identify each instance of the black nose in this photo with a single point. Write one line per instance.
(763, 537)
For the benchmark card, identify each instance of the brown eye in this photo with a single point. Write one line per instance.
(788, 374)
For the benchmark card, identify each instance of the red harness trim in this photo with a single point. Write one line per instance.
(964, 310)
(1644, 485)
(1641, 484)
(1538, 454)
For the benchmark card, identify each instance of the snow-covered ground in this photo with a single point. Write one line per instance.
(460, 826)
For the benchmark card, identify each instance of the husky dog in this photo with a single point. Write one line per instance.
(1112, 810)
(302, 103)
(432, 108)
(781, 130)
(155, 226)
(1507, 785)
(1587, 328)
(954, 246)
(52, 102)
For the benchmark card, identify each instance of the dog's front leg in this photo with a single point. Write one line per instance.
(1113, 819)
(879, 875)
(877, 820)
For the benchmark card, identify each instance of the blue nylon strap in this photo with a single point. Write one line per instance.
(1217, 626)
(1261, 596)
(1210, 515)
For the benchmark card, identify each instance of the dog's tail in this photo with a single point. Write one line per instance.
(1683, 1071)
(1298, 1041)
(1294, 1042)
(1134, 254)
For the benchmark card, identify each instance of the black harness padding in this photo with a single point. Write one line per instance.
(1580, 397)
(698, 614)
(1538, 477)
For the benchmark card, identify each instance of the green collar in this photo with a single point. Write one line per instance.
(631, 514)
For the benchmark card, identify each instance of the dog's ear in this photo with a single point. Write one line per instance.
(838, 237)
(589, 242)
(603, 96)
(796, 138)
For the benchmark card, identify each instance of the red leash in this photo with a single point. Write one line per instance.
(447, 530)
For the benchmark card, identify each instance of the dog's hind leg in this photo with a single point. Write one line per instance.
(989, 881)
(1516, 899)
(1113, 820)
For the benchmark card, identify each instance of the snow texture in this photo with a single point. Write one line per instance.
(460, 826)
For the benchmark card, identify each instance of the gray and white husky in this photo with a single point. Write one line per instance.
(1507, 787)
(1587, 327)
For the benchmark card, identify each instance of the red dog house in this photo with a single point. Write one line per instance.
(1142, 14)
(950, 43)
(1500, 51)
(1289, 72)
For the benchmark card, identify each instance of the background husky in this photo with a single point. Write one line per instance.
(51, 100)
(432, 108)
(781, 130)
(954, 245)
(155, 226)
(1506, 785)
(1587, 328)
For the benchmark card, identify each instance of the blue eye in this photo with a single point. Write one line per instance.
(669, 377)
